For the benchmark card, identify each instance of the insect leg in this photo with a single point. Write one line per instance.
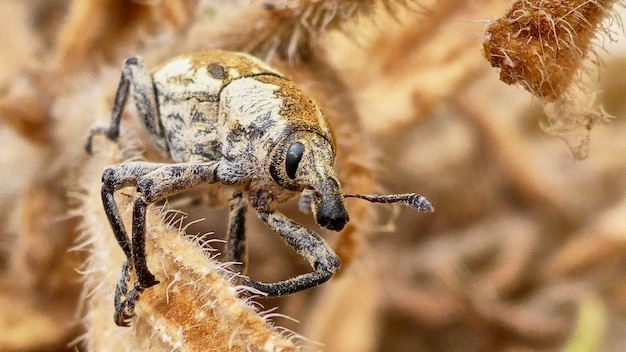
(114, 178)
(124, 302)
(166, 181)
(309, 245)
(235, 249)
(137, 77)
(154, 182)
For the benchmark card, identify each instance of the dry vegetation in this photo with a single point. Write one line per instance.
(526, 250)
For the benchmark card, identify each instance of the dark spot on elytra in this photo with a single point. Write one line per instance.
(197, 116)
(212, 150)
(216, 71)
(236, 135)
(176, 117)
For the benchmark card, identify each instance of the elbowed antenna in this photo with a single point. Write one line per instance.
(412, 200)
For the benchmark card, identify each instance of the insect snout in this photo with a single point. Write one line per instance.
(332, 215)
(329, 207)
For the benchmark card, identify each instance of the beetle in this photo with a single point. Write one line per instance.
(230, 119)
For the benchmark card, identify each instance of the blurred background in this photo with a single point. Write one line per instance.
(526, 249)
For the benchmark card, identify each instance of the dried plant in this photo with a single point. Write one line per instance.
(544, 46)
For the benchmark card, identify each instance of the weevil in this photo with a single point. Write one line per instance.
(229, 119)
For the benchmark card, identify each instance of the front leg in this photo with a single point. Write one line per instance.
(117, 177)
(161, 183)
(124, 300)
(309, 245)
(153, 182)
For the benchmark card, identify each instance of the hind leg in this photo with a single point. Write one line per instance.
(137, 81)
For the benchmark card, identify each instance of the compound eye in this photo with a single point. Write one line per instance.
(294, 155)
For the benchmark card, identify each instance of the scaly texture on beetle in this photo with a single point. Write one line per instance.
(229, 119)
